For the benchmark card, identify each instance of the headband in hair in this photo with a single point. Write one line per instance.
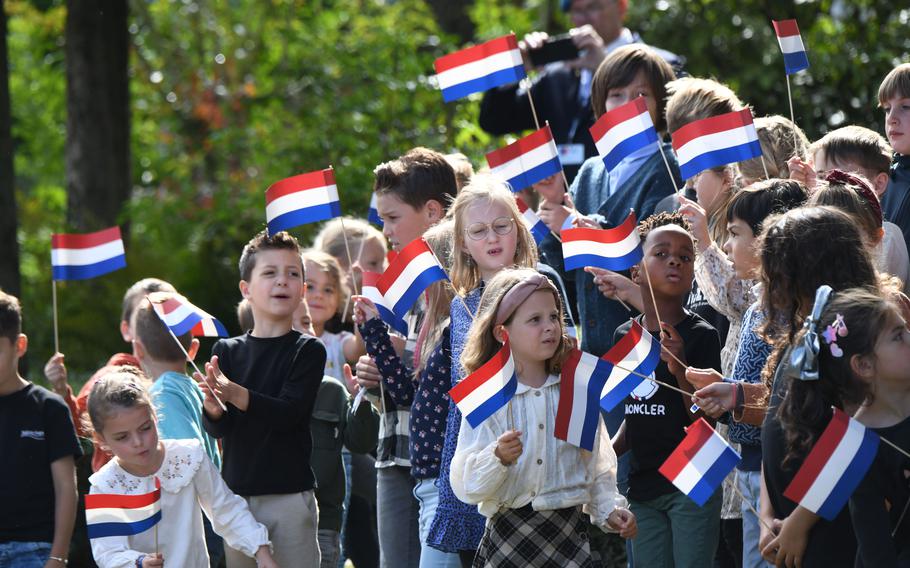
(520, 292)
(803, 364)
(861, 187)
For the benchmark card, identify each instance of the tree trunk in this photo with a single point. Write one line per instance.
(97, 112)
(9, 246)
(452, 17)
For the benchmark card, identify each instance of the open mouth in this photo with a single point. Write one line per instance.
(494, 251)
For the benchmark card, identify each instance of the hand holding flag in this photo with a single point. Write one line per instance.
(408, 275)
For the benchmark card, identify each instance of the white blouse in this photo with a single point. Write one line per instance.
(891, 254)
(549, 474)
(189, 480)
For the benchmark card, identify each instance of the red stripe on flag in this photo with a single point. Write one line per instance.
(696, 436)
(370, 278)
(483, 374)
(87, 240)
(712, 125)
(617, 116)
(624, 346)
(566, 394)
(522, 206)
(522, 146)
(302, 182)
(604, 236)
(114, 501)
(785, 28)
(476, 53)
(416, 248)
(818, 457)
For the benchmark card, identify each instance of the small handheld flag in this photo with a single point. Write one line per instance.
(181, 316)
(530, 220)
(487, 389)
(791, 45)
(527, 160)
(414, 268)
(700, 463)
(373, 214)
(301, 199)
(371, 291)
(581, 382)
(613, 249)
(622, 131)
(83, 256)
(716, 141)
(480, 68)
(637, 351)
(111, 514)
(835, 466)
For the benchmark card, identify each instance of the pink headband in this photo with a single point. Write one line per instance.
(521, 292)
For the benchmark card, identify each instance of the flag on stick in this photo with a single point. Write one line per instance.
(716, 141)
(637, 351)
(700, 463)
(301, 199)
(181, 316)
(112, 514)
(613, 249)
(791, 45)
(480, 68)
(487, 389)
(83, 256)
(581, 382)
(622, 131)
(409, 274)
(527, 160)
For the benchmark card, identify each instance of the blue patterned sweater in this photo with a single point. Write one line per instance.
(750, 360)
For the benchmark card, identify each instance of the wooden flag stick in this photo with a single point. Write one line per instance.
(748, 503)
(56, 329)
(531, 100)
(678, 189)
(660, 322)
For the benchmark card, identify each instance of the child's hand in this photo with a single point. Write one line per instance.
(368, 376)
(671, 341)
(552, 189)
(623, 521)
(364, 309)
(700, 378)
(790, 543)
(697, 217)
(508, 447)
(714, 399)
(349, 380)
(768, 531)
(223, 387)
(209, 404)
(614, 286)
(553, 215)
(153, 561)
(55, 373)
(802, 172)
(264, 558)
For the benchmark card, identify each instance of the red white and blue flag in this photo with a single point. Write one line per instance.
(835, 466)
(613, 249)
(637, 351)
(622, 131)
(373, 214)
(82, 256)
(716, 141)
(112, 514)
(371, 291)
(700, 463)
(487, 389)
(791, 45)
(413, 270)
(181, 317)
(530, 219)
(527, 160)
(581, 382)
(301, 199)
(480, 68)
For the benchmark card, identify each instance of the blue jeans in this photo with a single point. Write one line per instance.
(24, 554)
(749, 483)
(427, 495)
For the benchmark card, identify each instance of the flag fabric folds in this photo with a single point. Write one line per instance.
(527, 160)
(613, 249)
(487, 389)
(622, 131)
(111, 514)
(530, 219)
(413, 270)
(637, 351)
(480, 68)
(301, 199)
(581, 382)
(834, 467)
(181, 316)
(716, 141)
(83, 256)
(700, 463)
(791, 45)
(371, 291)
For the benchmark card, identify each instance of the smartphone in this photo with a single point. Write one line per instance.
(556, 48)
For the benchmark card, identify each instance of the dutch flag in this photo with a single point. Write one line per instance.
(581, 382)
(371, 291)
(373, 214)
(181, 317)
(637, 351)
(301, 199)
(623, 131)
(613, 249)
(700, 463)
(111, 514)
(835, 466)
(412, 271)
(791, 45)
(82, 256)
(487, 389)
(716, 141)
(530, 219)
(527, 160)
(480, 68)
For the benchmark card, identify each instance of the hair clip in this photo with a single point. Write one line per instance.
(832, 332)
(803, 363)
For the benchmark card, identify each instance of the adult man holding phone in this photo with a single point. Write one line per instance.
(562, 89)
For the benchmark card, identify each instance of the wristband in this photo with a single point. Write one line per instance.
(139, 560)
(63, 561)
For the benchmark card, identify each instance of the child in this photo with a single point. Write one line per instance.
(674, 530)
(528, 483)
(38, 444)
(121, 414)
(894, 99)
(268, 379)
(326, 294)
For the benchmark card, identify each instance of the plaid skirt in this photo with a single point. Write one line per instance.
(525, 538)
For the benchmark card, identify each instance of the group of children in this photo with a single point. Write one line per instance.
(775, 286)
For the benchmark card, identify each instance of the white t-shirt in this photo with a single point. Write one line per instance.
(334, 353)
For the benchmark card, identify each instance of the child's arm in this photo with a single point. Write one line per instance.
(619, 440)
(480, 464)
(115, 551)
(63, 473)
(672, 345)
(361, 428)
(790, 543)
(353, 346)
(397, 378)
(607, 506)
(56, 374)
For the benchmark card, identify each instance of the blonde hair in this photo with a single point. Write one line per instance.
(329, 264)
(118, 388)
(331, 237)
(482, 344)
(895, 84)
(780, 140)
(692, 99)
(491, 190)
(440, 294)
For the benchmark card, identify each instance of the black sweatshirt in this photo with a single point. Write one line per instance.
(267, 448)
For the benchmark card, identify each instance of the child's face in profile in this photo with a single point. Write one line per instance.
(892, 351)
(535, 328)
(639, 87)
(10, 353)
(740, 249)
(401, 222)
(897, 123)
(371, 259)
(670, 256)
(711, 186)
(132, 435)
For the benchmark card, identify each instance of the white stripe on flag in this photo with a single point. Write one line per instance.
(614, 250)
(301, 200)
(178, 315)
(631, 362)
(208, 327)
(527, 161)
(716, 141)
(833, 470)
(623, 131)
(583, 372)
(486, 390)
(791, 44)
(479, 68)
(118, 515)
(91, 255)
(414, 268)
(699, 464)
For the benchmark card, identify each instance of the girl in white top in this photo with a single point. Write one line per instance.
(122, 416)
(529, 484)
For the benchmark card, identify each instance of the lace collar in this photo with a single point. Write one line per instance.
(181, 462)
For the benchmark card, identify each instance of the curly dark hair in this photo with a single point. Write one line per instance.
(663, 219)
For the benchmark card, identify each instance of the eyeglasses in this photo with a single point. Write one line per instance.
(500, 226)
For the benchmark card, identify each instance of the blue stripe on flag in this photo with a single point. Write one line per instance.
(796, 61)
(391, 319)
(494, 403)
(619, 393)
(484, 83)
(715, 475)
(85, 271)
(539, 231)
(303, 216)
(101, 530)
(186, 325)
(373, 217)
(219, 327)
(535, 174)
(610, 263)
(720, 157)
(424, 279)
(851, 478)
(592, 405)
(628, 146)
